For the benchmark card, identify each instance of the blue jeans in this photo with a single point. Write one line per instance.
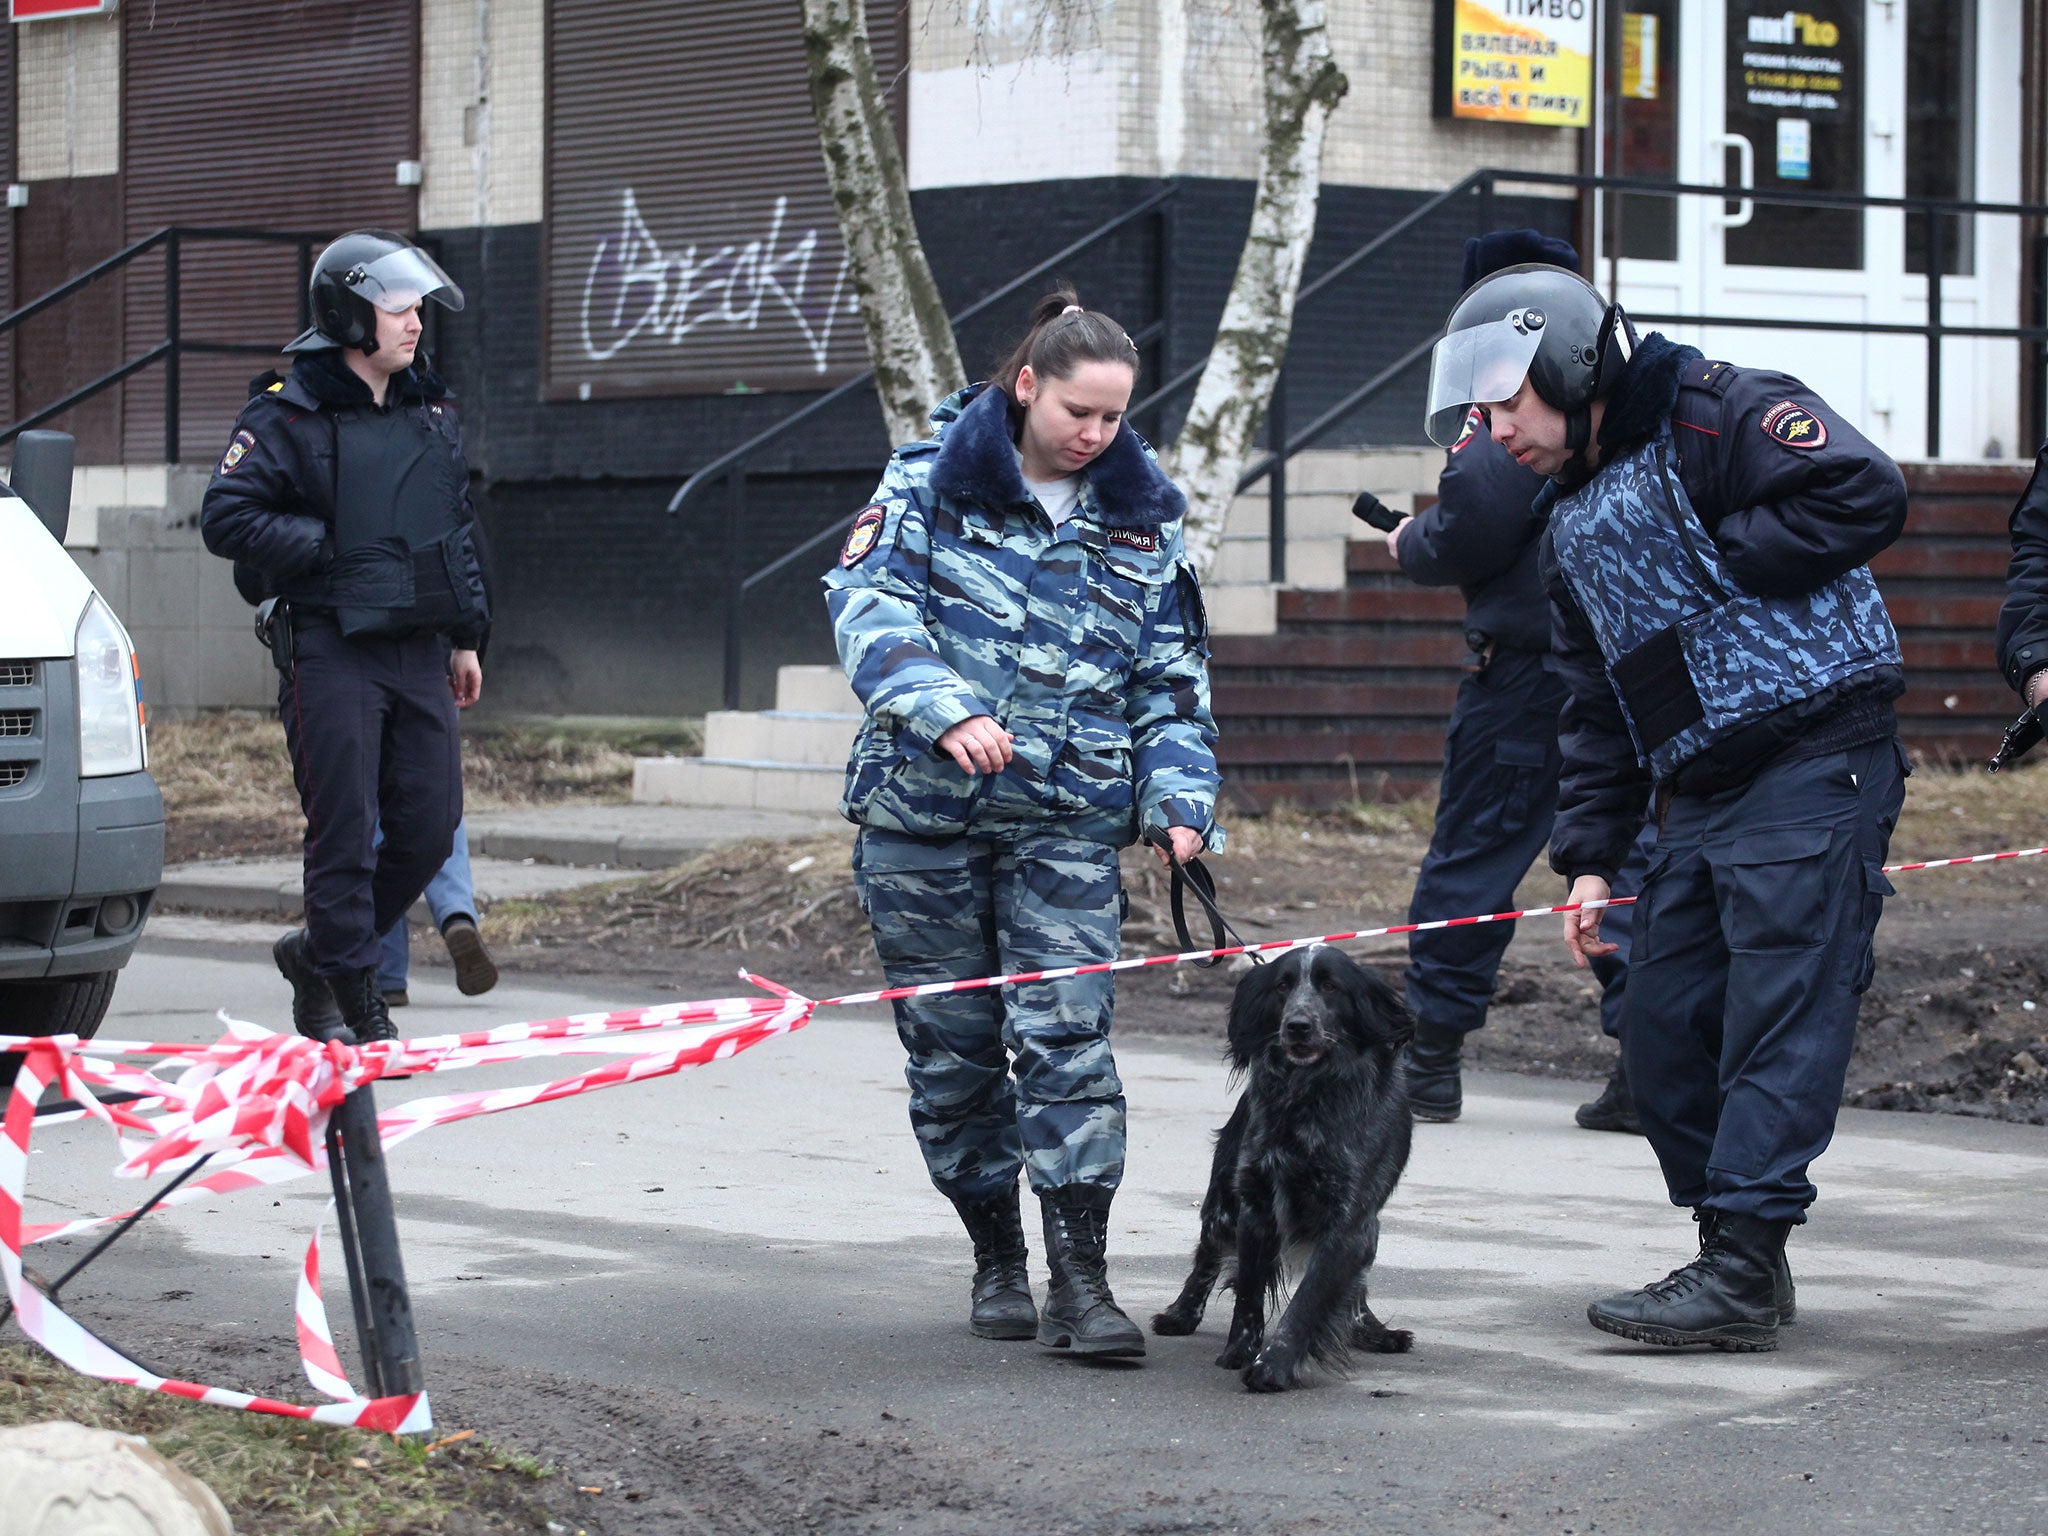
(451, 893)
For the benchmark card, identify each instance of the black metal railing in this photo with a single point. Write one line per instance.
(175, 345)
(1481, 186)
(731, 466)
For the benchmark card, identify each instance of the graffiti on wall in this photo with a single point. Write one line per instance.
(639, 294)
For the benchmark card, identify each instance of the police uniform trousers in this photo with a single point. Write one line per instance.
(1494, 811)
(1753, 948)
(1014, 1075)
(371, 726)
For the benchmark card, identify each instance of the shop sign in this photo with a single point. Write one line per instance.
(53, 10)
(1794, 92)
(1516, 61)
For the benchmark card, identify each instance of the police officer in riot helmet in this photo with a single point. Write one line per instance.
(1498, 790)
(1731, 666)
(344, 496)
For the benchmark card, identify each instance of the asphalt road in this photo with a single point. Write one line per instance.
(755, 1244)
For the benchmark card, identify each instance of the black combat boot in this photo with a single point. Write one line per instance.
(314, 1013)
(1782, 1291)
(1725, 1297)
(1080, 1314)
(1001, 1306)
(1434, 1090)
(1615, 1109)
(362, 1006)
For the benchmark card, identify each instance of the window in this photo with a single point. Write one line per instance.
(1941, 123)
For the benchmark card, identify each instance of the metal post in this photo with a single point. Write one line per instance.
(391, 1351)
(735, 519)
(1936, 260)
(1276, 483)
(1486, 214)
(171, 357)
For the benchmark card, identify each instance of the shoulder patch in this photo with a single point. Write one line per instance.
(862, 537)
(1795, 426)
(1145, 539)
(1475, 419)
(242, 443)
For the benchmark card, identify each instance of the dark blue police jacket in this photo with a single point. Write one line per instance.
(1793, 498)
(350, 509)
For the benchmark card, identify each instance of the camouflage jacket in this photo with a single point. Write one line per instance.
(956, 596)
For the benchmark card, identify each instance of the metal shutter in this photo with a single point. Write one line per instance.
(256, 114)
(691, 244)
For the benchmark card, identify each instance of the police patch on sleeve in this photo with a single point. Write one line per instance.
(1475, 420)
(243, 442)
(862, 536)
(1795, 426)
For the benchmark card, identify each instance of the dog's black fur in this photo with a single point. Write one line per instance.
(1314, 1148)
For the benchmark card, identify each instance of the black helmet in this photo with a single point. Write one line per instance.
(364, 271)
(1538, 322)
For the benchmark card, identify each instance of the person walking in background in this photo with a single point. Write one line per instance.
(344, 497)
(1498, 795)
(1027, 638)
(451, 899)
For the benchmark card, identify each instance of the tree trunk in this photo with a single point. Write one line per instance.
(1302, 87)
(909, 340)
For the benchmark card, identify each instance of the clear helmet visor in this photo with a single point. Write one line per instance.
(1481, 365)
(395, 283)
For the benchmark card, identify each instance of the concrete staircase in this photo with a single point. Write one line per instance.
(790, 758)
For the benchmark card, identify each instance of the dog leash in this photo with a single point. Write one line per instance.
(1194, 876)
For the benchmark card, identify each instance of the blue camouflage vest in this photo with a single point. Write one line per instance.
(1692, 656)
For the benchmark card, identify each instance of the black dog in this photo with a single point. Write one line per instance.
(1314, 1148)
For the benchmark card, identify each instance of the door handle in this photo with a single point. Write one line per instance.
(1745, 155)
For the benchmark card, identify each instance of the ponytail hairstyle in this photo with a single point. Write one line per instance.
(1063, 336)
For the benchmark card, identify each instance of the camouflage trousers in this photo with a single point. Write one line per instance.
(1002, 1076)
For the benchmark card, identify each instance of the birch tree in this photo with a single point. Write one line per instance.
(1302, 86)
(910, 341)
(911, 344)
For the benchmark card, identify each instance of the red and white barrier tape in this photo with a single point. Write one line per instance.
(258, 1103)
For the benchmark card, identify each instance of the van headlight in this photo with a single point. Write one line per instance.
(110, 738)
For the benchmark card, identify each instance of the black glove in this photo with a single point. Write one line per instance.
(1370, 509)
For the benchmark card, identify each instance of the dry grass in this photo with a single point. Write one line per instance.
(227, 783)
(1953, 811)
(278, 1475)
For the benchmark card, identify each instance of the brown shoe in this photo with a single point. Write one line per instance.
(474, 972)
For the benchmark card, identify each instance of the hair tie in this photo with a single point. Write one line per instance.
(1071, 309)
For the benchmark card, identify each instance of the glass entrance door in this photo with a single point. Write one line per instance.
(1854, 96)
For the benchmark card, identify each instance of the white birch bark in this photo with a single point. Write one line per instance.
(910, 342)
(1302, 86)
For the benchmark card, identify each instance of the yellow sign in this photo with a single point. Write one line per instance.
(1639, 56)
(1523, 61)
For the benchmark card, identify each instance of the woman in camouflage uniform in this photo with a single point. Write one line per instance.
(1015, 611)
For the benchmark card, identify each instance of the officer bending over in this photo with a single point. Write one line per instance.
(1501, 759)
(345, 495)
(1725, 648)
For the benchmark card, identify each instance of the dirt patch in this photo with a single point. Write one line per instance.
(618, 1460)
(1946, 1025)
(228, 793)
(279, 1475)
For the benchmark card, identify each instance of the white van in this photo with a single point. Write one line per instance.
(81, 820)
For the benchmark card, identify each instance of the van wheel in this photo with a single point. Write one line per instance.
(70, 1005)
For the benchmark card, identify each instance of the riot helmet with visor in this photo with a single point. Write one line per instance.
(1536, 322)
(362, 272)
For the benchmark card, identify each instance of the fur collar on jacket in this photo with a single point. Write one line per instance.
(1646, 395)
(324, 379)
(978, 462)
